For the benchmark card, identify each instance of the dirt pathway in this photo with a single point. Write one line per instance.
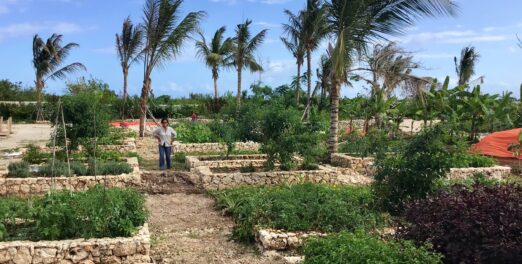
(185, 227)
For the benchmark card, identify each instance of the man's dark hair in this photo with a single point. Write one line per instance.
(164, 119)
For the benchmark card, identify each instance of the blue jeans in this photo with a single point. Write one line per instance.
(164, 152)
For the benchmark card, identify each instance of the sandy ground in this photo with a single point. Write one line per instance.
(186, 228)
(38, 134)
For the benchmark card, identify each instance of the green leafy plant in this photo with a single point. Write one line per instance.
(411, 173)
(33, 155)
(61, 168)
(18, 170)
(98, 212)
(360, 247)
(299, 207)
(108, 168)
(194, 132)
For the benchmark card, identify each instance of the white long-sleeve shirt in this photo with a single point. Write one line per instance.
(165, 135)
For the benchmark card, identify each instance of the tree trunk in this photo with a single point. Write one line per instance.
(125, 94)
(334, 118)
(38, 90)
(238, 98)
(309, 81)
(143, 105)
(215, 89)
(298, 89)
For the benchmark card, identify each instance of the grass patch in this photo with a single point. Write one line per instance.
(299, 207)
(360, 247)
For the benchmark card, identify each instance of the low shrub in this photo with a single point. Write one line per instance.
(108, 168)
(298, 207)
(194, 132)
(464, 160)
(411, 173)
(61, 168)
(477, 224)
(360, 247)
(33, 155)
(18, 170)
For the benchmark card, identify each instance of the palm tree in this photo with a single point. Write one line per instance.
(295, 45)
(243, 53)
(354, 23)
(129, 46)
(465, 67)
(164, 37)
(215, 54)
(47, 58)
(315, 29)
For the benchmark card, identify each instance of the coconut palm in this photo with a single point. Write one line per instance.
(215, 53)
(243, 53)
(294, 44)
(164, 34)
(354, 23)
(314, 30)
(129, 46)
(465, 66)
(47, 59)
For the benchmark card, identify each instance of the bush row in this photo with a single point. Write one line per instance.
(96, 213)
(61, 168)
(299, 207)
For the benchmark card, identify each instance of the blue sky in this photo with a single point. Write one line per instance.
(490, 26)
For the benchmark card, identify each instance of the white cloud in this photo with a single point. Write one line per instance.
(452, 37)
(434, 55)
(267, 24)
(28, 28)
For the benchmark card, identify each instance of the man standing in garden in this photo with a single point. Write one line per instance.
(165, 136)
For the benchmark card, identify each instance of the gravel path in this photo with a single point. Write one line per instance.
(186, 228)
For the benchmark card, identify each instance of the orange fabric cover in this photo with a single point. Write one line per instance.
(496, 144)
(128, 124)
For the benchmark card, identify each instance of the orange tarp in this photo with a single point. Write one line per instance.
(128, 124)
(496, 144)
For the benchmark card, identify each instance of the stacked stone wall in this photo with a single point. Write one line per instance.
(42, 185)
(123, 250)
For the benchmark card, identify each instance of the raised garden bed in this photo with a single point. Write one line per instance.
(97, 226)
(42, 185)
(211, 173)
(135, 249)
(365, 167)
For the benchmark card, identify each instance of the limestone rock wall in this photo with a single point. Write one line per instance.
(124, 250)
(41, 185)
(497, 172)
(363, 166)
(129, 145)
(148, 147)
(270, 239)
(206, 179)
(215, 161)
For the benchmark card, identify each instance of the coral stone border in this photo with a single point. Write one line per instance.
(135, 249)
(42, 185)
(216, 161)
(272, 239)
(365, 167)
(204, 178)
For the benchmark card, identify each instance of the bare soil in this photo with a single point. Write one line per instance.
(186, 227)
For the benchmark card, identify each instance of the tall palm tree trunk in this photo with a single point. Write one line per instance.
(298, 88)
(309, 80)
(215, 77)
(238, 98)
(334, 118)
(38, 90)
(143, 105)
(125, 94)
